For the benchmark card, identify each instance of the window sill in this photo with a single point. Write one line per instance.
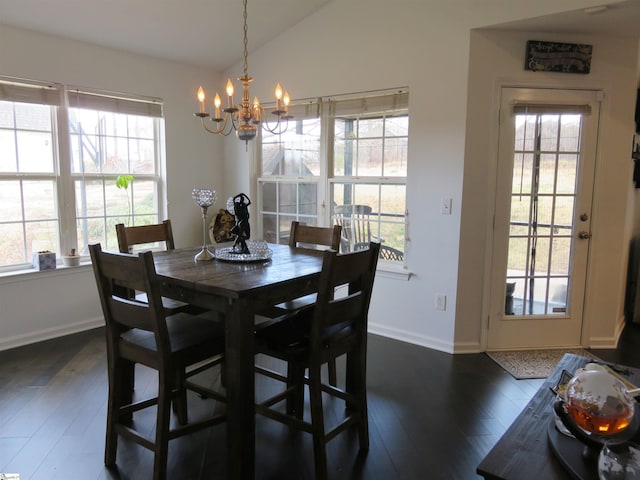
(14, 276)
(395, 271)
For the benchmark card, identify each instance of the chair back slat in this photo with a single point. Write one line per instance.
(357, 271)
(143, 234)
(344, 310)
(124, 270)
(115, 270)
(131, 314)
(306, 235)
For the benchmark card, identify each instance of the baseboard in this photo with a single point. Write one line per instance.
(410, 337)
(49, 333)
(608, 342)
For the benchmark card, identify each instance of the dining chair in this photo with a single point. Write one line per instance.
(356, 226)
(150, 235)
(305, 236)
(309, 338)
(129, 237)
(308, 236)
(144, 333)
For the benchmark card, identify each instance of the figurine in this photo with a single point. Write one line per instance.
(241, 230)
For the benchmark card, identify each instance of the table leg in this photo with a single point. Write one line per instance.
(239, 364)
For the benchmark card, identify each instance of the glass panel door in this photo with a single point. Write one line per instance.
(544, 186)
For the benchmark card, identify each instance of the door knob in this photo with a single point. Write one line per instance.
(584, 235)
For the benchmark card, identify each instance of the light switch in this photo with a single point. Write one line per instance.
(445, 206)
(440, 302)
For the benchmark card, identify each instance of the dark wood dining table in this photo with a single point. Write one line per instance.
(532, 448)
(237, 290)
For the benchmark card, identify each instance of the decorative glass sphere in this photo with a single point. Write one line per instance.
(598, 402)
(204, 197)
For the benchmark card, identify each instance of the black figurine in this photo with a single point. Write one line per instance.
(241, 230)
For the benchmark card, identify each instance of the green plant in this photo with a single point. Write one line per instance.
(123, 182)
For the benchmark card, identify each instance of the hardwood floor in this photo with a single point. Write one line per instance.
(432, 415)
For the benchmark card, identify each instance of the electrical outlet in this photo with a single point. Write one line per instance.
(441, 302)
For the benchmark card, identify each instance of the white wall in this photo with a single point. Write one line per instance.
(35, 306)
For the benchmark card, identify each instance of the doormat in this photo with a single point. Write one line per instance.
(533, 363)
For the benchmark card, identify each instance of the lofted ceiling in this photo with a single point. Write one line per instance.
(208, 33)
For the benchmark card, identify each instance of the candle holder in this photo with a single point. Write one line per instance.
(204, 198)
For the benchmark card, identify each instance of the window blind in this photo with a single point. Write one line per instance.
(376, 104)
(299, 110)
(546, 109)
(43, 95)
(111, 103)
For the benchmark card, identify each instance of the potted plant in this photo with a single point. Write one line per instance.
(71, 260)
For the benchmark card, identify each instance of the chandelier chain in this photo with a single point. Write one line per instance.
(246, 28)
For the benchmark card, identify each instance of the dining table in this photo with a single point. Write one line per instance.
(237, 289)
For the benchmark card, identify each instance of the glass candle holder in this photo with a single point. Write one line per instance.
(204, 198)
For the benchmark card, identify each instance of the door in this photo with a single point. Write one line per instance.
(542, 224)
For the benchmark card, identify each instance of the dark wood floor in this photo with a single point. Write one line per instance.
(432, 416)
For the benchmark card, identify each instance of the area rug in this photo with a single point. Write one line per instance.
(533, 363)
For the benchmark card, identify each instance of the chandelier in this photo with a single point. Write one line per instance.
(245, 116)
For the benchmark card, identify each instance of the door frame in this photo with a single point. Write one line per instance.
(492, 198)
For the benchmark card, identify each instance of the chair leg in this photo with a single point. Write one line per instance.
(129, 379)
(357, 386)
(317, 422)
(333, 375)
(295, 401)
(118, 391)
(180, 397)
(162, 430)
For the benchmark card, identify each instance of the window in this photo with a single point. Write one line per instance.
(341, 160)
(61, 151)
(291, 169)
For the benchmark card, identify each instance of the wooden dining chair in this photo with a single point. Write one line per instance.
(150, 235)
(310, 338)
(307, 236)
(129, 237)
(143, 333)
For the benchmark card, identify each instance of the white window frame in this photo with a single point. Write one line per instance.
(61, 98)
(325, 180)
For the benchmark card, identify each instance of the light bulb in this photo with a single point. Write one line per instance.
(200, 96)
(216, 103)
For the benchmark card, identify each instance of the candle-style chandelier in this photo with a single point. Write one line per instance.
(244, 117)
